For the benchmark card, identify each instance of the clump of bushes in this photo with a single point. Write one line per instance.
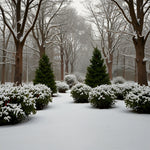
(139, 99)
(41, 95)
(121, 90)
(80, 93)
(62, 87)
(71, 80)
(118, 80)
(17, 103)
(102, 97)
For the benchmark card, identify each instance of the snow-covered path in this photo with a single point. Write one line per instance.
(65, 125)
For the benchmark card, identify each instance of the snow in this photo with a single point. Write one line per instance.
(65, 125)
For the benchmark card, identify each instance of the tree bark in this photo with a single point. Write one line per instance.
(42, 51)
(139, 44)
(67, 66)
(62, 62)
(109, 66)
(109, 62)
(72, 68)
(3, 68)
(18, 64)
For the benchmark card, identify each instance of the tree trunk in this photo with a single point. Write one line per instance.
(109, 66)
(3, 68)
(42, 51)
(18, 64)
(109, 62)
(135, 76)
(62, 62)
(67, 67)
(124, 67)
(139, 44)
(12, 72)
(72, 68)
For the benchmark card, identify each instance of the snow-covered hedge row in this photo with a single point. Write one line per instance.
(121, 90)
(16, 103)
(62, 87)
(80, 93)
(139, 99)
(71, 80)
(102, 97)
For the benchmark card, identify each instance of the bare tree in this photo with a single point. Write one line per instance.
(135, 14)
(43, 30)
(107, 19)
(21, 9)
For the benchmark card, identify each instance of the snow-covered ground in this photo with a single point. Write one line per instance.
(64, 125)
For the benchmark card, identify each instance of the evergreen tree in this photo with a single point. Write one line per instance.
(44, 74)
(96, 72)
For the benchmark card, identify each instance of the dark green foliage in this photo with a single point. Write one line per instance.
(102, 103)
(80, 93)
(41, 103)
(96, 72)
(139, 99)
(44, 74)
(102, 97)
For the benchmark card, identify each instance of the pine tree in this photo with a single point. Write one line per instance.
(96, 72)
(44, 74)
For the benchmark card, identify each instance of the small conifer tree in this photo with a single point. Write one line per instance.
(44, 74)
(96, 72)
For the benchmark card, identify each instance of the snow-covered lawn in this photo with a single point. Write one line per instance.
(64, 125)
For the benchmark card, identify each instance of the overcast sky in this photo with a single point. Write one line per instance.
(79, 6)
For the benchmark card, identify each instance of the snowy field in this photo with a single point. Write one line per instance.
(64, 125)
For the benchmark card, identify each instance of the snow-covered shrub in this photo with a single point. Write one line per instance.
(139, 99)
(118, 80)
(71, 80)
(121, 90)
(62, 87)
(41, 94)
(11, 113)
(80, 93)
(16, 103)
(102, 97)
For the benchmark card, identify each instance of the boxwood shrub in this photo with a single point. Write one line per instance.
(139, 99)
(71, 80)
(41, 94)
(121, 90)
(80, 93)
(62, 87)
(102, 97)
(17, 103)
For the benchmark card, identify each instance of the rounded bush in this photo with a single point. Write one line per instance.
(16, 103)
(121, 90)
(62, 87)
(118, 80)
(41, 94)
(139, 99)
(71, 80)
(80, 93)
(102, 97)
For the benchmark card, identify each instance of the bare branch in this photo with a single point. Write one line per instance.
(32, 26)
(123, 11)
(5, 21)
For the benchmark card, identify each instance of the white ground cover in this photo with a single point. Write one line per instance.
(65, 125)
